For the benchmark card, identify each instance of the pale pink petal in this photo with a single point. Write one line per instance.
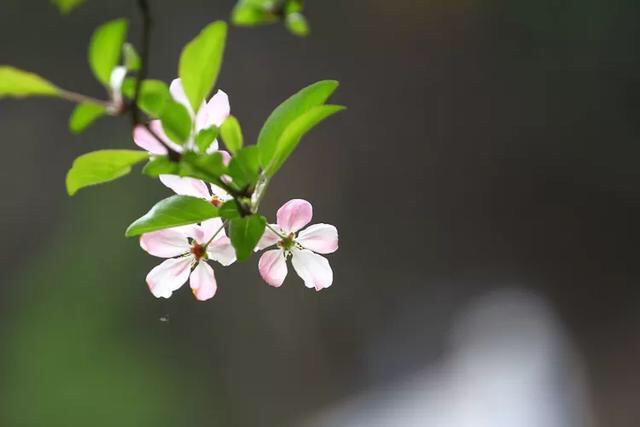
(221, 250)
(314, 269)
(166, 243)
(213, 147)
(226, 157)
(178, 95)
(186, 186)
(268, 238)
(145, 140)
(203, 281)
(213, 112)
(207, 229)
(169, 276)
(222, 194)
(117, 77)
(294, 215)
(273, 267)
(320, 238)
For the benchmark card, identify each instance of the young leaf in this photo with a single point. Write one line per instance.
(101, 166)
(205, 137)
(131, 58)
(159, 166)
(18, 83)
(253, 12)
(153, 98)
(209, 167)
(84, 115)
(245, 232)
(172, 212)
(176, 122)
(231, 134)
(296, 130)
(245, 166)
(298, 104)
(200, 62)
(66, 6)
(296, 23)
(105, 48)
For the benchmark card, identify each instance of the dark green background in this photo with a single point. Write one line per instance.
(488, 144)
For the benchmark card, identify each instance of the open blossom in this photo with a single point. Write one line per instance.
(187, 248)
(302, 246)
(186, 186)
(212, 113)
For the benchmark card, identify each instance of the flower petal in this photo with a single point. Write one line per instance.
(268, 238)
(221, 250)
(186, 186)
(145, 140)
(207, 229)
(166, 243)
(169, 276)
(273, 267)
(314, 269)
(117, 77)
(177, 93)
(213, 112)
(294, 215)
(203, 282)
(320, 238)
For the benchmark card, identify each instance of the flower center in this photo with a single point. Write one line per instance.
(288, 242)
(198, 251)
(215, 201)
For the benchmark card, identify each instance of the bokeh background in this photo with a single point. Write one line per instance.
(484, 180)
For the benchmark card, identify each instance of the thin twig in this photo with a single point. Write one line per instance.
(80, 98)
(143, 6)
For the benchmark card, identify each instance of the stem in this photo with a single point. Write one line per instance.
(215, 234)
(80, 98)
(143, 5)
(276, 231)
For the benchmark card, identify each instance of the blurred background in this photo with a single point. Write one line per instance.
(484, 180)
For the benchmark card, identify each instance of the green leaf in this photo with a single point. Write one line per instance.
(245, 166)
(101, 166)
(229, 210)
(160, 166)
(128, 87)
(293, 6)
(131, 59)
(176, 122)
(245, 232)
(172, 212)
(18, 83)
(84, 115)
(298, 104)
(231, 134)
(153, 98)
(66, 6)
(291, 136)
(253, 12)
(208, 167)
(205, 137)
(105, 48)
(296, 23)
(200, 62)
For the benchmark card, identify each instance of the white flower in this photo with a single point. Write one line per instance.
(187, 248)
(303, 247)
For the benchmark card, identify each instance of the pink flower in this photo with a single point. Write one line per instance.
(303, 247)
(187, 248)
(212, 113)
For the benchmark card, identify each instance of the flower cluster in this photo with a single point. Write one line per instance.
(188, 248)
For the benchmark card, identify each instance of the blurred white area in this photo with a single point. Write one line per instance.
(510, 365)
